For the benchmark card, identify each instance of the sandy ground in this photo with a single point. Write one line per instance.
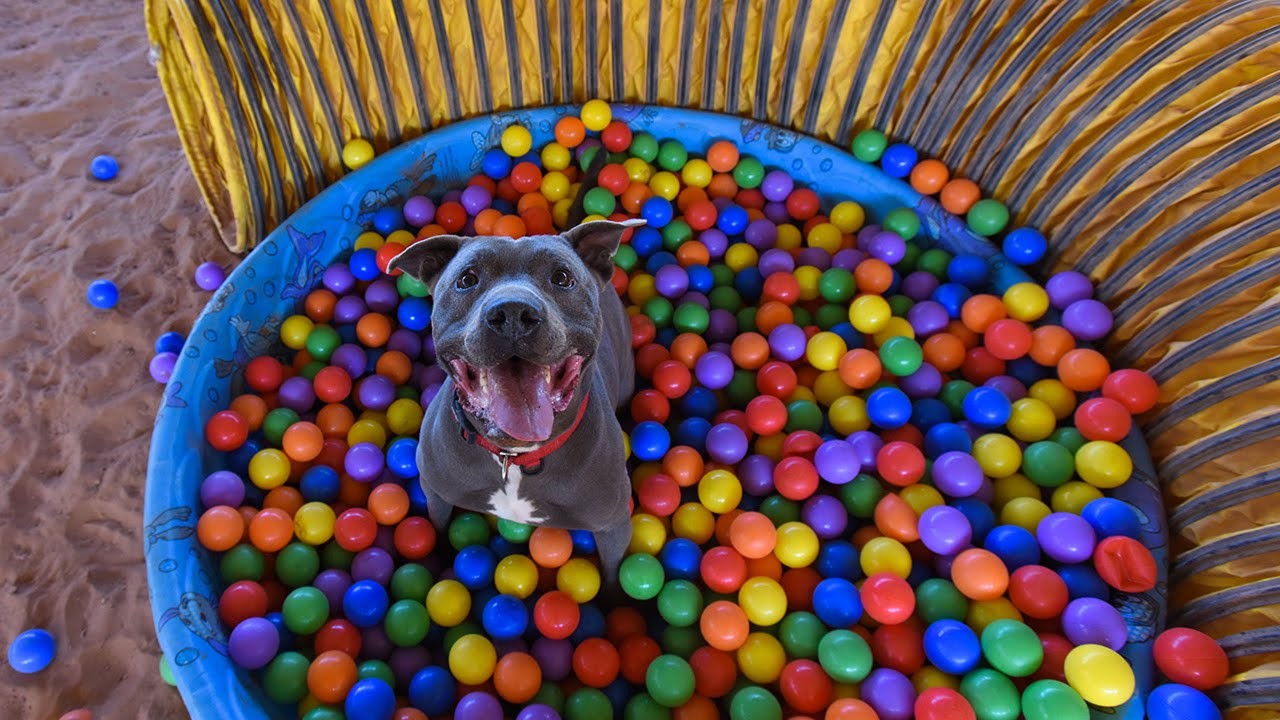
(77, 399)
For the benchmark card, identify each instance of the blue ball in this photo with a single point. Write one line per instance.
(898, 159)
(732, 220)
(646, 241)
(583, 541)
(365, 603)
(852, 338)
(619, 693)
(666, 336)
(170, 342)
(370, 699)
(102, 294)
(700, 402)
(987, 407)
(32, 651)
(320, 483)
(1083, 581)
(474, 566)
(286, 636)
(432, 691)
(929, 412)
(951, 297)
(1016, 546)
(347, 332)
(104, 167)
(238, 459)
(701, 278)
(659, 260)
(838, 559)
(1181, 702)
(681, 559)
(530, 157)
(402, 457)
(657, 212)
(496, 164)
(388, 219)
(1109, 517)
(364, 264)
(1027, 371)
(503, 547)
(837, 603)
(945, 437)
(749, 282)
(980, 516)
(969, 270)
(504, 206)
(417, 498)
(650, 441)
(591, 623)
(414, 313)
(889, 408)
(693, 432)
(952, 647)
(1025, 246)
(504, 617)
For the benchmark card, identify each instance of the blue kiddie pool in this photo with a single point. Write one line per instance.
(243, 320)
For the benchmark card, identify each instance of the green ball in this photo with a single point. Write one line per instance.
(722, 275)
(599, 201)
(1048, 464)
(311, 369)
(643, 146)
(901, 356)
(742, 388)
(674, 234)
(831, 315)
(910, 257)
(166, 672)
(242, 562)
(551, 695)
(725, 298)
(411, 581)
(938, 599)
(837, 285)
(681, 641)
(779, 510)
(617, 157)
(332, 555)
(800, 633)
(952, 395)
(987, 217)
(869, 145)
(468, 529)
(589, 154)
(747, 320)
(305, 610)
(845, 656)
(749, 173)
(899, 305)
(297, 564)
(285, 679)
(1012, 648)
(680, 603)
(322, 341)
(672, 156)
(324, 712)
(1053, 700)
(669, 680)
(802, 317)
(641, 576)
(861, 495)
(409, 286)
(376, 669)
(276, 422)
(691, 318)
(903, 221)
(992, 695)
(512, 531)
(804, 415)
(626, 258)
(934, 261)
(587, 704)
(406, 392)
(406, 623)
(754, 703)
(642, 706)
(659, 310)
(1069, 438)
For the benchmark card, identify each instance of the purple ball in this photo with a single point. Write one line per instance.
(826, 515)
(350, 357)
(476, 198)
(777, 213)
(928, 317)
(364, 461)
(696, 298)
(945, 530)
(1067, 287)
(865, 234)
(373, 564)
(762, 234)
(715, 240)
(419, 211)
(297, 394)
(376, 392)
(1091, 620)
(788, 342)
(986, 491)
(555, 657)
(1087, 319)
(723, 326)
(848, 259)
(349, 309)
(866, 445)
(253, 643)
(721, 203)
(381, 295)
(428, 349)
(333, 583)
(727, 443)
(538, 711)
(385, 538)
(756, 475)
(923, 383)
(433, 375)
(887, 246)
(837, 462)
(775, 260)
(815, 258)
(671, 281)
(1066, 537)
(957, 474)
(222, 487)
(919, 285)
(161, 366)
(210, 276)
(453, 195)
(478, 706)
(406, 341)
(428, 394)
(714, 370)
(374, 643)
(405, 662)
(338, 278)
(890, 694)
(510, 645)
(1010, 387)
(776, 186)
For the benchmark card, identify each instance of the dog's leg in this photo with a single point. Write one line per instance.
(438, 510)
(611, 544)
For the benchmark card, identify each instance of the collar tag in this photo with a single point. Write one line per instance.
(506, 463)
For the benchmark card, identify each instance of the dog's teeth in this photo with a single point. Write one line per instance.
(546, 374)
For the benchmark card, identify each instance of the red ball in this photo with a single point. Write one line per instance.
(616, 136)
(596, 662)
(386, 253)
(900, 647)
(339, 635)
(643, 331)
(900, 463)
(701, 215)
(1102, 418)
(714, 671)
(1055, 648)
(1134, 389)
(782, 287)
(803, 443)
(672, 379)
(751, 199)
(766, 415)
(734, 417)
(980, 366)
(556, 615)
(650, 405)
(805, 686)
(942, 703)
(888, 599)
(614, 178)
(332, 384)
(802, 203)
(264, 373)
(242, 600)
(451, 216)
(637, 653)
(795, 478)
(226, 430)
(355, 529)
(723, 569)
(415, 538)
(1008, 339)
(525, 178)
(659, 495)
(1038, 592)
(1192, 658)
(1125, 564)
(777, 379)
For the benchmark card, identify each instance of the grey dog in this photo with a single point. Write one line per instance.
(536, 345)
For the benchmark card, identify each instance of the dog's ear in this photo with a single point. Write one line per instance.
(597, 241)
(426, 259)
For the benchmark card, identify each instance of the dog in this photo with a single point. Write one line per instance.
(536, 346)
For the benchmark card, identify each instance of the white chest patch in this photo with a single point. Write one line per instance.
(507, 503)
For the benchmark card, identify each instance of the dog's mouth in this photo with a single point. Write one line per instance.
(518, 397)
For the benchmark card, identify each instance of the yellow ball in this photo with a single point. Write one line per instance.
(1012, 487)
(1026, 301)
(269, 468)
(982, 613)
(848, 216)
(763, 600)
(404, 237)
(771, 446)
(472, 658)
(740, 257)
(761, 658)
(797, 545)
(896, 327)
(555, 156)
(870, 313)
(998, 454)
(848, 415)
(884, 554)
(825, 236)
(1032, 419)
(693, 522)
(1060, 398)
(560, 212)
(648, 534)
(448, 603)
(808, 278)
(516, 575)
(596, 115)
(1101, 675)
(294, 331)
(1072, 496)
(376, 417)
(696, 173)
(719, 491)
(313, 523)
(1024, 512)
(1103, 464)
(516, 140)
(357, 153)
(555, 186)
(638, 170)
(369, 240)
(825, 350)
(665, 185)
(578, 579)
(404, 417)
(626, 446)
(591, 218)
(929, 677)
(829, 388)
(788, 237)
(367, 430)
(642, 289)
(921, 497)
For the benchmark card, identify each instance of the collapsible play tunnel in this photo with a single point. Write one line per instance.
(1140, 137)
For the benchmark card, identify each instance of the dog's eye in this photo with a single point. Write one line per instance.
(468, 279)
(562, 278)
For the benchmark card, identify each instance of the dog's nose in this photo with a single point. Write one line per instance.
(513, 319)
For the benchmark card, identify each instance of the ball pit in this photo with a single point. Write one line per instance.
(948, 431)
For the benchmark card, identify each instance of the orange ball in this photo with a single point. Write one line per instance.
(395, 365)
(772, 314)
(753, 535)
(944, 351)
(634, 196)
(684, 465)
(637, 652)
(320, 304)
(1049, 343)
(1083, 369)
(959, 195)
(331, 675)
(550, 547)
(723, 185)
(850, 709)
(750, 351)
(220, 528)
(596, 662)
(517, 677)
(532, 200)
(714, 671)
(486, 219)
(698, 707)
(271, 530)
(285, 497)
(687, 348)
(389, 503)
(252, 408)
(570, 132)
(859, 368)
(980, 574)
(510, 226)
(724, 625)
(896, 519)
(873, 276)
(538, 221)
(722, 156)
(409, 714)
(693, 253)
(303, 441)
(373, 329)
(979, 311)
(335, 420)
(929, 176)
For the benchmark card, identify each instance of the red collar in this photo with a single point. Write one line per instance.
(533, 458)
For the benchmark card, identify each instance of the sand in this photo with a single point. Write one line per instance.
(77, 399)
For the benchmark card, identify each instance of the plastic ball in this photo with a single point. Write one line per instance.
(1181, 702)
(32, 651)
(1053, 700)
(1191, 658)
(102, 294)
(980, 574)
(210, 276)
(987, 217)
(1025, 246)
(596, 115)
(104, 168)
(1134, 389)
(472, 659)
(1100, 675)
(357, 153)
(516, 141)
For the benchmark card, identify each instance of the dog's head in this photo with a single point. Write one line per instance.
(516, 322)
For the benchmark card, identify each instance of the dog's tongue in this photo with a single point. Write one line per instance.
(520, 402)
